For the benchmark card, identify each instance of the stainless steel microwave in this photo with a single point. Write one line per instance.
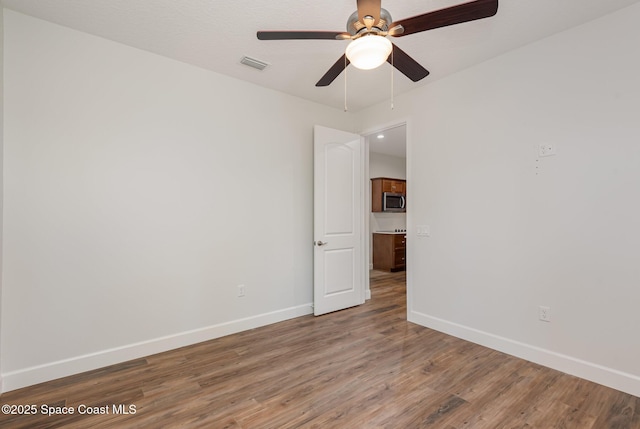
(392, 202)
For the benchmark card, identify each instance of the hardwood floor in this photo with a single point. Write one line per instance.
(365, 367)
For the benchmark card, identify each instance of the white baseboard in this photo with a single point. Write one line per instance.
(609, 377)
(75, 365)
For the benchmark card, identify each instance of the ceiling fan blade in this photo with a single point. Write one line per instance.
(334, 71)
(298, 35)
(369, 8)
(407, 65)
(465, 12)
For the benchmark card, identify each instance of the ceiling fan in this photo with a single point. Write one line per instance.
(368, 27)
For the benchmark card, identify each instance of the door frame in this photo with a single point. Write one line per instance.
(367, 202)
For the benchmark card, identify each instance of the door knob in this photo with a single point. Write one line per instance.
(320, 243)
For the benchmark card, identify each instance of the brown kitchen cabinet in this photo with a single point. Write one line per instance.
(389, 251)
(380, 185)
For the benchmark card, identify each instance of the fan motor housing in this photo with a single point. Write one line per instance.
(354, 26)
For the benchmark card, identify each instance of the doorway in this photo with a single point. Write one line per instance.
(387, 158)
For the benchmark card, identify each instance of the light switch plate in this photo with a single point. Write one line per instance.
(423, 231)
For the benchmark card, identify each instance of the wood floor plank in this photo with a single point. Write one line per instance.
(365, 367)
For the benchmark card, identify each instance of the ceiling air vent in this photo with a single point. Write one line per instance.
(252, 62)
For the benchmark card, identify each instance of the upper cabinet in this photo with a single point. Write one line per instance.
(380, 185)
(396, 186)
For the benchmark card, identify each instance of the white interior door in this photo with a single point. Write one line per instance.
(338, 220)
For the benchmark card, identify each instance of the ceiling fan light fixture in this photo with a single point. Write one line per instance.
(369, 52)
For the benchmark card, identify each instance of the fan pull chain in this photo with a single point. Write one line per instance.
(345, 83)
(392, 67)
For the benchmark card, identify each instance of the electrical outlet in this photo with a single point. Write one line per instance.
(546, 149)
(241, 291)
(544, 313)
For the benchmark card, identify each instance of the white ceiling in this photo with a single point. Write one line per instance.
(215, 34)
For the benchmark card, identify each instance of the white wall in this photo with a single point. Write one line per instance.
(381, 165)
(511, 231)
(139, 192)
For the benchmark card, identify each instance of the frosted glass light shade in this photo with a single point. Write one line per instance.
(369, 52)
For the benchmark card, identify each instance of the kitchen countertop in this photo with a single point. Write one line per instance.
(391, 232)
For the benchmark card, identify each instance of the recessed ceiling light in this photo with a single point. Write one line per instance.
(380, 136)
